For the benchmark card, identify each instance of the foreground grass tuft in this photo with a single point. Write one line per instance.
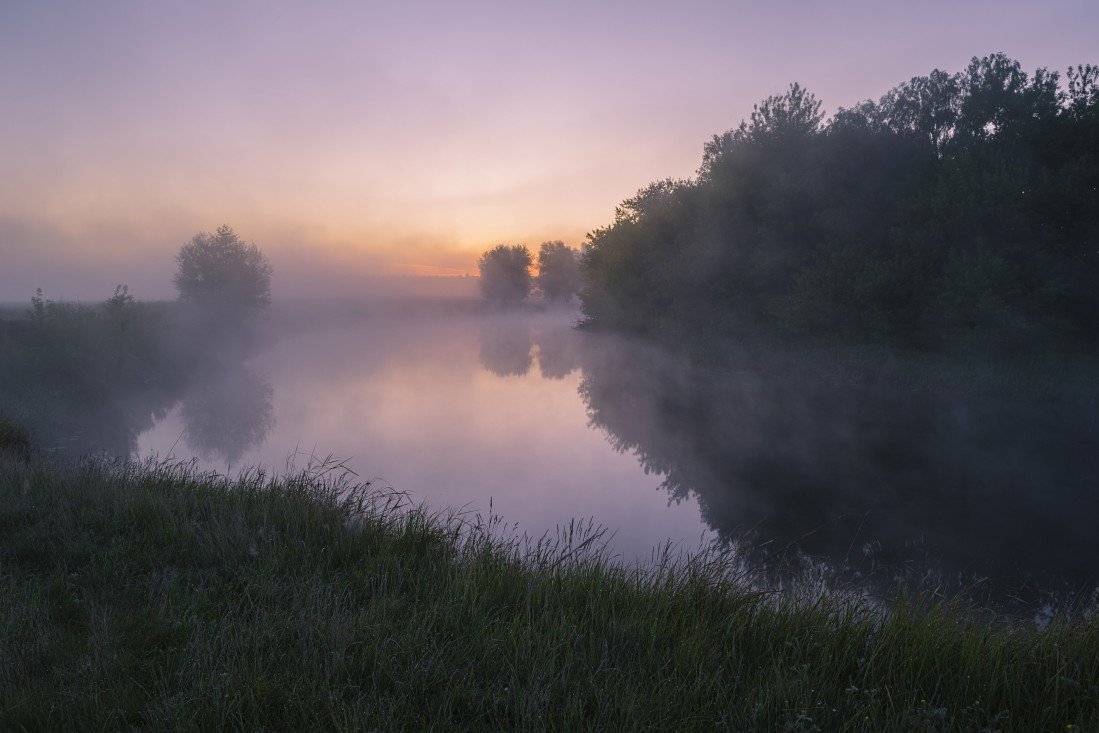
(157, 598)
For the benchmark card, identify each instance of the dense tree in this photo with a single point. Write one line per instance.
(778, 118)
(505, 273)
(558, 271)
(1000, 100)
(925, 106)
(1082, 89)
(957, 209)
(222, 273)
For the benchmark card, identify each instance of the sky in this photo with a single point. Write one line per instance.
(356, 141)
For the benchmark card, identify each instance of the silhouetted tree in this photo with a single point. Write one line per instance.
(926, 106)
(959, 209)
(1083, 88)
(505, 273)
(558, 271)
(779, 118)
(1000, 99)
(222, 273)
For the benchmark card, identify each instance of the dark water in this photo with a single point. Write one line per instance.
(943, 476)
(947, 479)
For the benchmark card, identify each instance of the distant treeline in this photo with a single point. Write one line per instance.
(959, 209)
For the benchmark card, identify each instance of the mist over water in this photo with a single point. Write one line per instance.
(457, 410)
(941, 474)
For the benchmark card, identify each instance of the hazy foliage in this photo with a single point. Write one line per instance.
(90, 378)
(957, 209)
(222, 273)
(811, 449)
(558, 271)
(778, 118)
(227, 411)
(507, 277)
(505, 273)
(505, 348)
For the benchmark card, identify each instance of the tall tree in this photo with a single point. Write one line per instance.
(223, 274)
(780, 118)
(925, 106)
(505, 273)
(558, 273)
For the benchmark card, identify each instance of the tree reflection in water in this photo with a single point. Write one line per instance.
(505, 347)
(227, 412)
(226, 407)
(964, 476)
(969, 480)
(557, 350)
(507, 343)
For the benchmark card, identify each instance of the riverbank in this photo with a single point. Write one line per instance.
(150, 596)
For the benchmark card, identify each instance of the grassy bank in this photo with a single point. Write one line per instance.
(151, 597)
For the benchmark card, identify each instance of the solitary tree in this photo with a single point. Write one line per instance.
(505, 273)
(558, 271)
(222, 273)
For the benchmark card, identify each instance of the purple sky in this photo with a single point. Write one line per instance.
(350, 139)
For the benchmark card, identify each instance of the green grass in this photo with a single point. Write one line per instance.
(154, 598)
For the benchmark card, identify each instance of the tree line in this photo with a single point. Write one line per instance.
(507, 275)
(958, 209)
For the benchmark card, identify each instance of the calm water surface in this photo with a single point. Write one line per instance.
(964, 482)
(457, 411)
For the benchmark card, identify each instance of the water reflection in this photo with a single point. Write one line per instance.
(967, 479)
(67, 418)
(558, 356)
(75, 424)
(964, 480)
(506, 345)
(227, 412)
(226, 407)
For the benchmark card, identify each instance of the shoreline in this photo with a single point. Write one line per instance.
(154, 596)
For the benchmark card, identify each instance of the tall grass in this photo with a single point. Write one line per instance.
(152, 596)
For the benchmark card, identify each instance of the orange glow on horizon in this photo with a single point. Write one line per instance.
(422, 270)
